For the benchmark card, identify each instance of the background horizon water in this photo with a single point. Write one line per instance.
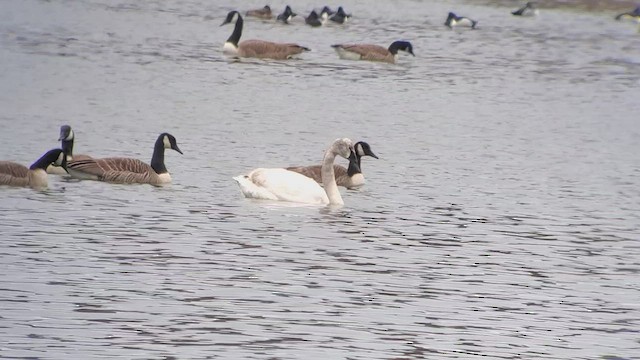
(501, 220)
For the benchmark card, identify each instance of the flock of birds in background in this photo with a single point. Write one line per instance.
(303, 184)
(370, 52)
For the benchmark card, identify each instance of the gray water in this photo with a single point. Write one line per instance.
(501, 220)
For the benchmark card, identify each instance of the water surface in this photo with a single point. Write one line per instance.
(501, 219)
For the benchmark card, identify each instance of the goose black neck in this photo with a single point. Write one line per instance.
(46, 160)
(354, 166)
(67, 147)
(393, 49)
(237, 32)
(157, 159)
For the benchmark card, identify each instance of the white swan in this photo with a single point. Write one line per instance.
(285, 185)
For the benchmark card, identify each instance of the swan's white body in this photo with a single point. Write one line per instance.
(281, 185)
(285, 185)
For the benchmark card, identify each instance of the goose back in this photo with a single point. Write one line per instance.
(364, 52)
(117, 170)
(269, 50)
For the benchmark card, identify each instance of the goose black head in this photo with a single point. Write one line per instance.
(57, 157)
(363, 149)
(66, 133)
(169, 142)
(401, 46)
(232, 17)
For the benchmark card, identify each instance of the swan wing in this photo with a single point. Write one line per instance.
(282, 185)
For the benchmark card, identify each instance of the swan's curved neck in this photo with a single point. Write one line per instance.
(157, 159)
(237, 32)
(329, 178)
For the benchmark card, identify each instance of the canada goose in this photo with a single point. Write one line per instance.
(14, 174)
(325, 13)
(128, 170)
(529, 9)
(631, 15)
(66, 139)
(340, 16)
(453, 20)
(284, 185)
(286, 15)
(263, 13)
(373, 52)
(313, 19)
(350, 178)
(256, 48)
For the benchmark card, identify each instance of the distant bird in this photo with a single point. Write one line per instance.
(529, 9)
(325, 13)
(350, 178)
(263, 13)
(14, 174)
(453, 21)
(631, 15)
(340, 17)
(313, 19)
(256, 48)
(286, 15)
(128, 170)
(373, 52)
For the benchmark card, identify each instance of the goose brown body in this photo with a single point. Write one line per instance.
(370, 52)
(256, 48)
(128, 170)
(14, 174)
(117, 170)
(342, 177)
(269, 50)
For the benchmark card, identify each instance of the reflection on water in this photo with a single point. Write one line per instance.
(501, 219)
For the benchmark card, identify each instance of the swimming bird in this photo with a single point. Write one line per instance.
(340, 17)
(630, 15)
(14, 174)
(286, 15)
(453, 20)
(325, 13)
(66, 139)
(256, 48)
(285, 185)
(373, 52)
(529, 9)
(313, 19)
(262, 13)
(350, 178)
(128, 170)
